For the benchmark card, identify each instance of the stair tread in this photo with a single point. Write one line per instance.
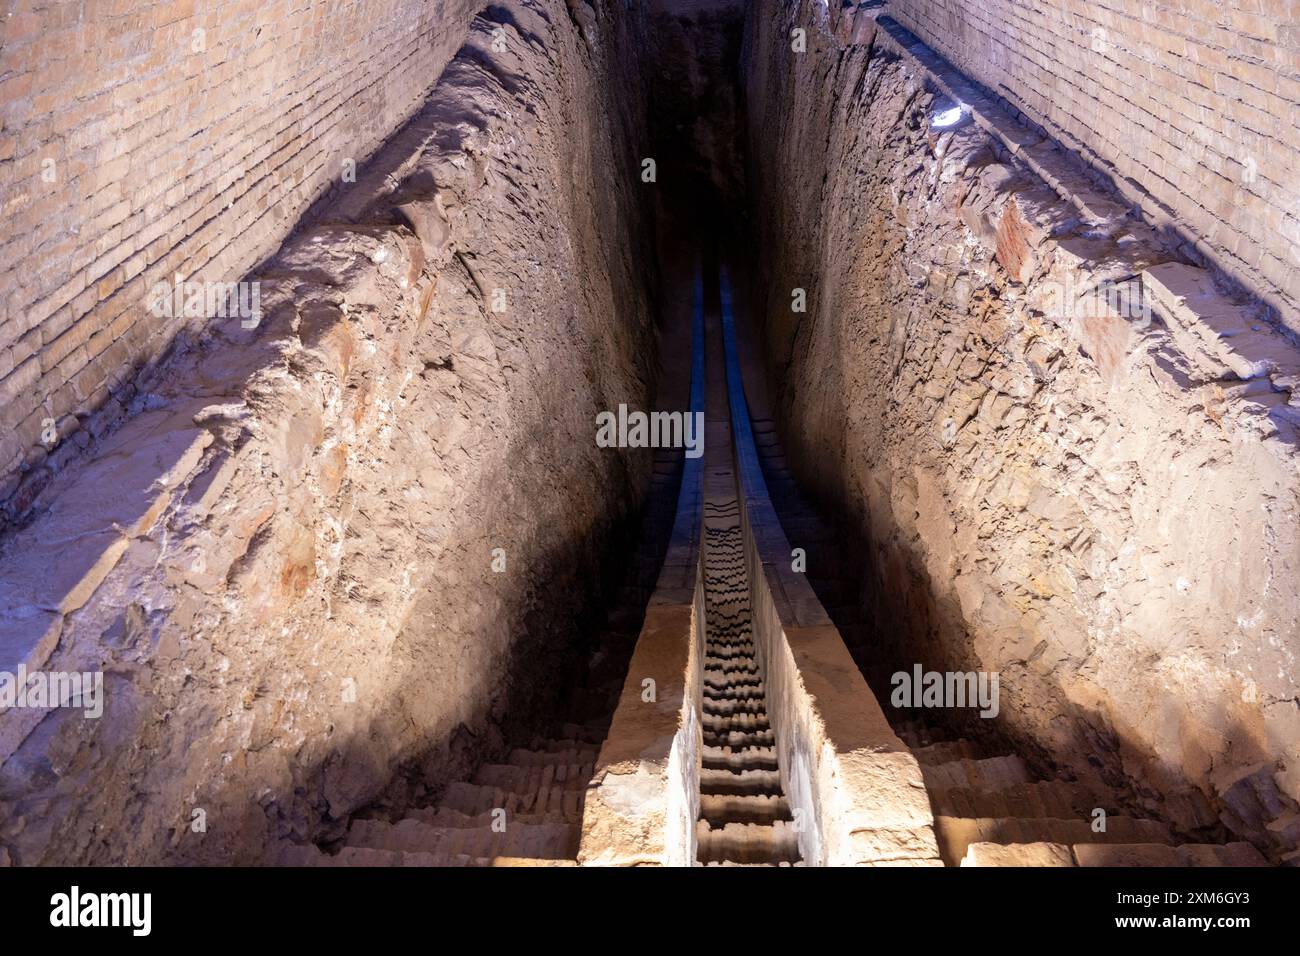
(988, 773)
(1113, 854)
(747, 843)
(955, 834)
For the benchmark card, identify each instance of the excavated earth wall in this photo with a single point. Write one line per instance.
(339, 547)
(1096, 503)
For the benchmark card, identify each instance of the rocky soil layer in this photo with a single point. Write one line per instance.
(1098, 504)
(347, 541)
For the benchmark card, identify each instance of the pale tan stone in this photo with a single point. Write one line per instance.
(1017, 854)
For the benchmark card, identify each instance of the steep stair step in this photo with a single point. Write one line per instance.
(1154, 854)
(741, 692)
(522, 757)
(726, 708)
(537, 841)
(754, 758)
(534, 779)
(746, 723)
(474, 799)
(1042, 798)
(990, 773)
(560, 744)
(443, 816)
(735, 666)
(747, 843)
(1113, 854)
(955, 834)
(947, 751)
(764, 809)
(740, 654)
(1017, 854)
(739, 739)
(745, 783)
(717, 680)
(363, 856)
(734, 669)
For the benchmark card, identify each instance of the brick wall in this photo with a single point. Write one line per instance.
(140, 139)
(1195, 101)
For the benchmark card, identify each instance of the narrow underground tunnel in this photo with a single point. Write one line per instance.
(616, 434)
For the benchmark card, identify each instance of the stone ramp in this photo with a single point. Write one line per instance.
(524, 812)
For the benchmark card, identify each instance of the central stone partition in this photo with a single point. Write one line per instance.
(644, 797)
(853, 790)
(851, 781)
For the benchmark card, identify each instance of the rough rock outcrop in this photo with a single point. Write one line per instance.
(1095, 495)
(325, 549)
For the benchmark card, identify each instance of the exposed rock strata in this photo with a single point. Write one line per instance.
(1100, 507)
(284, 560)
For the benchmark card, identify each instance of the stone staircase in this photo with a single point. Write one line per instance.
(527, 809)
(745, 819)
(990, 810)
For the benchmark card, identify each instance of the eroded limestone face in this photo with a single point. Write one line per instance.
(1094, 497)
(339, 547)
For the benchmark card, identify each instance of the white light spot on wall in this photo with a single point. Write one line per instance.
(948, 117)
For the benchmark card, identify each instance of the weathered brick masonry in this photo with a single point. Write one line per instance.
(142, 139)
(1194, 102)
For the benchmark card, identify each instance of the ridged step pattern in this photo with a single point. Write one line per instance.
(745, 819)
(991, 811)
